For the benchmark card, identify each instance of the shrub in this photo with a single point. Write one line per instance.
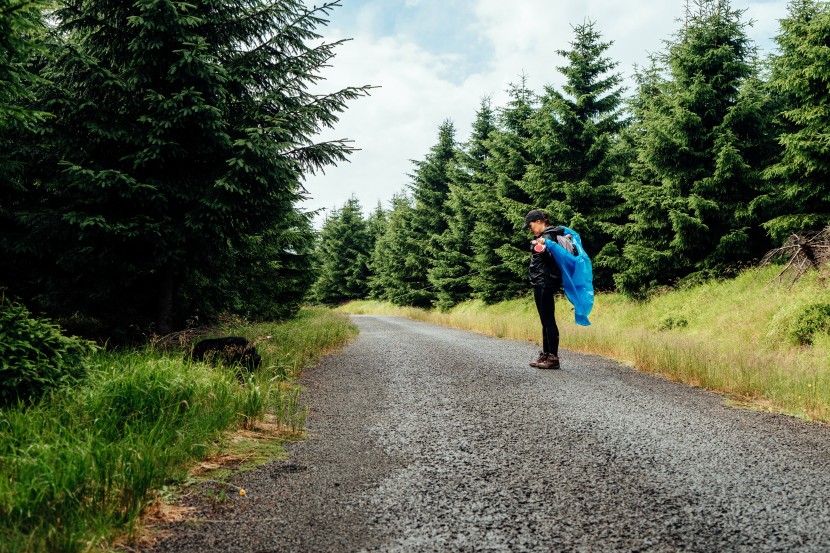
(35, 356)
(670, 322)
(809, 321)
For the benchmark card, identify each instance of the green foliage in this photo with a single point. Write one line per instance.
(673, 190)
(394, 260)
(470, 181)
(572, 138)
(87, 460)
(430, 189)
(21, 30)
(673, 321)
(164, 186)
(254, 403)
(81, 464)
(342, 256)
(288, 409)
(809, 322)
(501, 203)
(375, 224)
(702, 135)
(173, 162)
(35, 356)
(800, 79)
(485, 225)
(277, 265)
(409, 247)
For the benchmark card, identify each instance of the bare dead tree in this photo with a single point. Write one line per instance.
(800, 253)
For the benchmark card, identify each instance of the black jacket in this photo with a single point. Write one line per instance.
(543, 268)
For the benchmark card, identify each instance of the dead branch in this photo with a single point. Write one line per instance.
(801, 252)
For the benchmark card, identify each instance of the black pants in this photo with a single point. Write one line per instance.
(544, 305)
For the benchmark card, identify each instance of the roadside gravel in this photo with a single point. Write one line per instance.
(423, 438)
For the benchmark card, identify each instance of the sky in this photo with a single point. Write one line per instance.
(435, 60)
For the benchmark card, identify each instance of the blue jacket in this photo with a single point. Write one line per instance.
(577, 276)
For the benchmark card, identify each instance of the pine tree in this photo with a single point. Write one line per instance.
(394, 275)
(503, 206)
(800, 80)
(180, 136)
(700, 139)
(375, 224)
(572, 137)
(470, 178)
(21, 34)
(342, 256)
(21, 41)
(430, 188)
(276, 265)
(476, 175)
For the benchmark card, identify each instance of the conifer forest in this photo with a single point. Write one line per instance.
(716, 157)
(152, 156)
(156, 161)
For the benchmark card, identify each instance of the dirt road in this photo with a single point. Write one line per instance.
(424, 438)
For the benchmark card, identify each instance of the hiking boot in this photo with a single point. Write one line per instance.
(539, 362)
(551, 362)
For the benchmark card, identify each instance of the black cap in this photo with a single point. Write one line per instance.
(534, 215)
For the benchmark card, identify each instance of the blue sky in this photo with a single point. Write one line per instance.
(435, 59)
(441, 27)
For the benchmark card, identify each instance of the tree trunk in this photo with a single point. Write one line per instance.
(164, 312)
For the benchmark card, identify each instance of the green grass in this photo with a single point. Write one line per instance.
(80, 466)
(765, 345)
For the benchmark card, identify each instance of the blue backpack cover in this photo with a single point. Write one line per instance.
(577, 276)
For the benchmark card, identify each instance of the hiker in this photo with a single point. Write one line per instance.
(545, 278)
(557, 259)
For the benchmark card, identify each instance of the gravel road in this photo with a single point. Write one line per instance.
(423, 438)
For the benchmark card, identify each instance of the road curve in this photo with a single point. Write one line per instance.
(423, 438)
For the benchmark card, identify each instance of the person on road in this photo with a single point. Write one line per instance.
(546, 278)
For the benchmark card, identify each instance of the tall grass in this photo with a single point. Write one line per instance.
(82, 463)
(744, 337)
(294, 344)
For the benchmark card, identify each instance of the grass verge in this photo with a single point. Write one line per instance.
(763, 344)
(80, 466)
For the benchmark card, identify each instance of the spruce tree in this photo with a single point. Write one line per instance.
(342, 256)
(801, 80)
(276, 265)
(430, 188)
(21, 40)
(21, 37)
(375, 224)
(470, 178)
(700, 139)
(476, 176)
(180, 136)
(572, 139)
(394, 262)
(503, 205)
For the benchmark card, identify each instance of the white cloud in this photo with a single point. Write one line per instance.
(421, 88)
(397, 123)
